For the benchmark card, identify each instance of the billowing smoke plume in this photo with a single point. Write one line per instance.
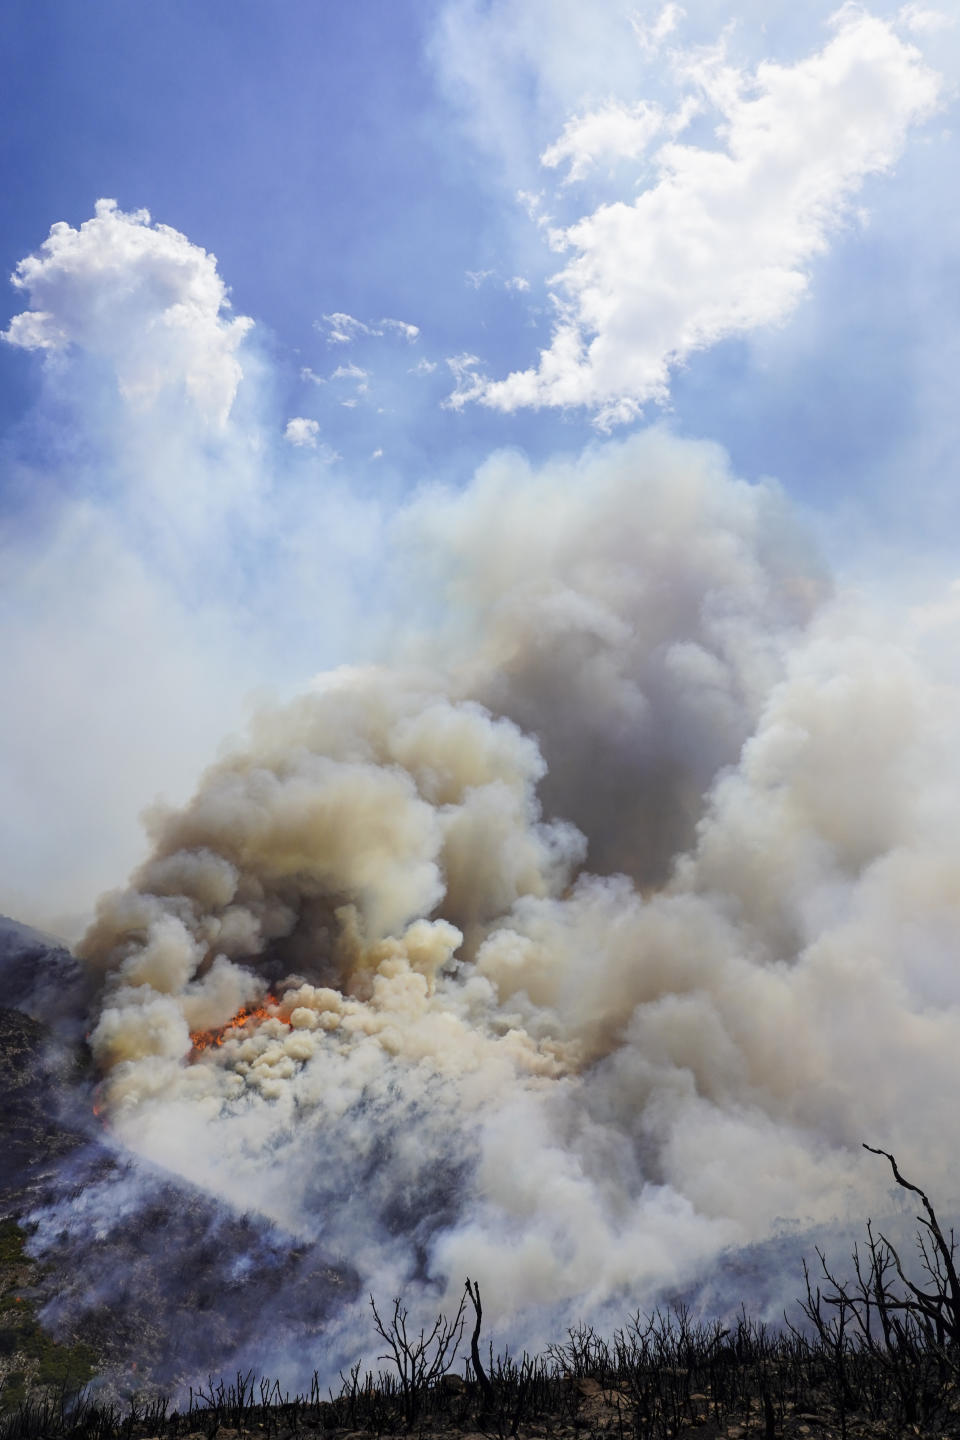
(588, 939)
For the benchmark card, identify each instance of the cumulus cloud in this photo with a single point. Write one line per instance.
(142, 298)
(722, 242)
(302, 432)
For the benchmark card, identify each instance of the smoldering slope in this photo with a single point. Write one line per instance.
(586, 941)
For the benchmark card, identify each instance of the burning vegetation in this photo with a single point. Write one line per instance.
(246, 1017)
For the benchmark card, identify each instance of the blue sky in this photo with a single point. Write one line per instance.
(422, 173)
(307, 146)
(333, 161)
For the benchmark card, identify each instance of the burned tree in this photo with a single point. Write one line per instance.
(887, 1335)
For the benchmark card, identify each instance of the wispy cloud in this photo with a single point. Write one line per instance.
(478, 278)
(651, 36)
(402, 328)
(349, 372)
(469, 385)
(361, 387)
(923, 19)
(342, 329)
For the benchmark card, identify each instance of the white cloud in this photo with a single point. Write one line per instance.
(302, 432)
(423, 367)
(476, 278)
(651, 37)
(305, 434)
(352, 372)
(532, 203)
(307, 374)
(343, 328)
(402, 328)
(614, 132)
(377, 454)
(349, 372)
(721, 243)
(141, 297)
(923, 21)
(516, 71)
(468, 383)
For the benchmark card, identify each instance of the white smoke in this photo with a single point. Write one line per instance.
(588, 939)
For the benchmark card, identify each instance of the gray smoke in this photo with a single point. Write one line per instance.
(582, 943)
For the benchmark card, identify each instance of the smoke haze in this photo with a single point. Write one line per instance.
(584, 944)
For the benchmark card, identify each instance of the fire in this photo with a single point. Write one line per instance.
(204, 1039)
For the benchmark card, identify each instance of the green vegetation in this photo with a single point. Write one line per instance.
(33, 1366)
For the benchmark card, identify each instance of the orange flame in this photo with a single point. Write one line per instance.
(204, 1039)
